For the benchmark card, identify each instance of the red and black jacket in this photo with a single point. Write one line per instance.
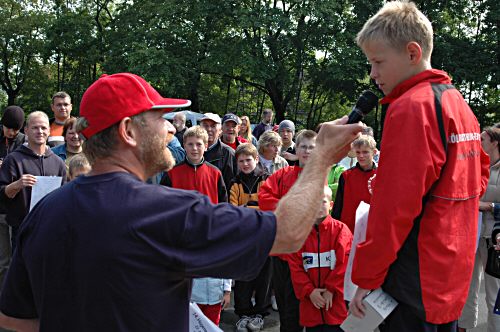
(352, 190)
(203, 177)
(421, 236)
(321, 263)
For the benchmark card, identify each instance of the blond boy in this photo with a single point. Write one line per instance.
(194, 173)
(78, 165)
(353, 183)
(421, 239)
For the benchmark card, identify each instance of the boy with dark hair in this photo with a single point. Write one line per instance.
(318, 270)
(421, 236)
(353, 183)
(244, 192)
(211, 294)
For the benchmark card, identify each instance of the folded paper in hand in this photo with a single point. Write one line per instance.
(378, 305)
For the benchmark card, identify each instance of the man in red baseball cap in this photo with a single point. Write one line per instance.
(118, 254)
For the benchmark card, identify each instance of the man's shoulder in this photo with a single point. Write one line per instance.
(226, 148)
(59, 149)
(286, 172)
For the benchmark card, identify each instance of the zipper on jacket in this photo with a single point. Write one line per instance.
(319, 270)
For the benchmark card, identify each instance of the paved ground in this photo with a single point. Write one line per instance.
(271, 323)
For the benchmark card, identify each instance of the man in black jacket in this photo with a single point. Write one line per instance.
(218, 154)
(10, 139)
(21, 167)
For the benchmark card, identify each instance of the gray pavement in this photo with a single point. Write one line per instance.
(271, 323)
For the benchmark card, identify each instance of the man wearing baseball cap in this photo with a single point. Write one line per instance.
(230, 129)
(124, 262)
(218, 154)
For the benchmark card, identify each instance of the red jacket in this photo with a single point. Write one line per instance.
(422, 226)
(331, 238)
(204, 178)
(275, 187)
(352, 190)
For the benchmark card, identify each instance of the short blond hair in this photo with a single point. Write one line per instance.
(398, 23)
(78, 162)
(268, 138)
(305, 134)
(36, 114)
(364, 140)
(196, 131)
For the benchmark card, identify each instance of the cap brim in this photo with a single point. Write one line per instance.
(170, 104)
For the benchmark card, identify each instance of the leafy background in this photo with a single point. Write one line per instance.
(297, 57)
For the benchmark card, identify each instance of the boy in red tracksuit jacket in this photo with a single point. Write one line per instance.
(353, 183)
(421, 235)
(275, 187)
(318, 270)
(211, 294)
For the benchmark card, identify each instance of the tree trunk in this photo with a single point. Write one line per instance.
(11, 97)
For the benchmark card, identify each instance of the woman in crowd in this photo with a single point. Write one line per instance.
(246, 130)
(490, 141)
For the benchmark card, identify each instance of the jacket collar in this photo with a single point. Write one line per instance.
(430, 76)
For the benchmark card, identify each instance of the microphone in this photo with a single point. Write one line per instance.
(366, 102)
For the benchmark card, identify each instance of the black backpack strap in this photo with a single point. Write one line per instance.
(438, 90)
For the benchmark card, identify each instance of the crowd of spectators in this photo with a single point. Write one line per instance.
(222, 159)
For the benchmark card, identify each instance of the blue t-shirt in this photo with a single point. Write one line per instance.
(111, 253)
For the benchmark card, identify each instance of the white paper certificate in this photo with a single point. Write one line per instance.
(43, 186)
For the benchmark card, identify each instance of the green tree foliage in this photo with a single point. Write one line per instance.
(298, 56)
(22, 33)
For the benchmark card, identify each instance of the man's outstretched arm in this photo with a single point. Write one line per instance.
(296, 211)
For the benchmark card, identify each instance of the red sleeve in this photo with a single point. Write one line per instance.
(410, 162)
(270, 193)
(342, 246)
(302, 285)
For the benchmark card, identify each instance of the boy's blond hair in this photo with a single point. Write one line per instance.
(246, 149)
(196, 131)
(78, 162)
(305, 134)
(364, 140)
(268, 138)
(398, 23)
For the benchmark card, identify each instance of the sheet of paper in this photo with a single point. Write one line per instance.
(198, 322)
(382, 302)
(378, 306)
(359, 236)
(43, 186)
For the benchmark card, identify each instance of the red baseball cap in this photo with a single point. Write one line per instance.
(114, 97)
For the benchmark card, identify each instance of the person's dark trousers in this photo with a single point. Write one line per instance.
(324, 328)
(13, 236)
(243, 291)
(288, 304)
(403, 319)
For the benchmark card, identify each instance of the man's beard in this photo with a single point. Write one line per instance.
(154, 154)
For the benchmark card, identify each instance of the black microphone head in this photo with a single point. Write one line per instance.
(366, 102)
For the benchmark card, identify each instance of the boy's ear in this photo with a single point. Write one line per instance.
(414, 52)
(257, 158)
